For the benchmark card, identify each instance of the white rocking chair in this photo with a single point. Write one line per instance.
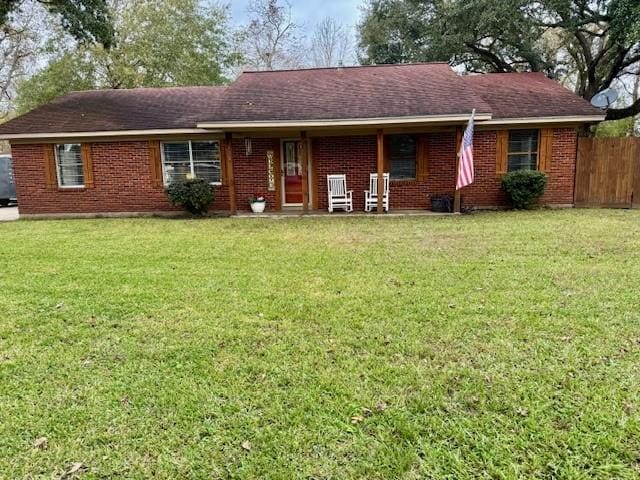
(339, 196)
(371, 195)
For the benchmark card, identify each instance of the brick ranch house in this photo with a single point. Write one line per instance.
(280, 133)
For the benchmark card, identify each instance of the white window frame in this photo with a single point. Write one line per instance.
(191, 166)
(59, 177)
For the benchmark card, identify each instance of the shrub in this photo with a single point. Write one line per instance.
(524, 187)
(194, 195)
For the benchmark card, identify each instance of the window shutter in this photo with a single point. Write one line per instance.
(156, 167)
(422, 160)
(87, 165)
(502, 151)
(50, 166)
(224, 159)
(545, 149)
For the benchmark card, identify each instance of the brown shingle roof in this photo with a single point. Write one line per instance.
(310, 94)
(521, 95)
(116, 110)
(347, 93)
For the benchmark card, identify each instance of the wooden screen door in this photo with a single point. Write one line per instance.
(292, 172)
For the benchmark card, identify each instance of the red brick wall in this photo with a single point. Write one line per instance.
(353, 156)
(356, 157)
(122, 182)
(485, 191)
(122, 175)
(250, 171)
(561, 183)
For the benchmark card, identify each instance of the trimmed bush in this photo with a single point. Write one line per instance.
(524, 188)
(194, 195)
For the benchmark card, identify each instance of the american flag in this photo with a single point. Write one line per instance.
(465, 165)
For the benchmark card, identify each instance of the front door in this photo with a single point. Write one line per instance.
(292, 172)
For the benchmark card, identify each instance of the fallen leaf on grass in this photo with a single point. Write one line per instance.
(40, 443)
(357, 419)
(523, 412)
(381, 407)
(76, 467)
(246, 445)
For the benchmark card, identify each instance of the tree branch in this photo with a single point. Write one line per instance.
(620, 113)
(499, 64)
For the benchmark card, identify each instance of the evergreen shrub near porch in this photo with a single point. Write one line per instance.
(194, 195)
(524, 188)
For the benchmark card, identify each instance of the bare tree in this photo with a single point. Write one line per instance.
(271, 39)
(331, 44)
(18, 45)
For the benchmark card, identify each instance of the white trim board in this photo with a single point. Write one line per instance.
(538, 120)
(343, 122)
(105, 133)
(219, 127)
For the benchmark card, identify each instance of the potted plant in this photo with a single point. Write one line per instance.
(257, 203)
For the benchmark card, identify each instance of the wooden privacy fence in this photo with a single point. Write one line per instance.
(608, 173)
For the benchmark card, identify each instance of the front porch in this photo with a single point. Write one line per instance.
(291, 170)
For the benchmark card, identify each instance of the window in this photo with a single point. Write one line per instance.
(523, 150)
(69, 165)
(196, 159)
(402, 157)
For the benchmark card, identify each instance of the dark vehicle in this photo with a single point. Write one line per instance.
(7, 184)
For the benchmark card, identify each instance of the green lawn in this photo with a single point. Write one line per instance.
(498, 345)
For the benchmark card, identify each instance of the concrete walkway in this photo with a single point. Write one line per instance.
(8, 213)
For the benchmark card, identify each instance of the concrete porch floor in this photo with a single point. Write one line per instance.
(289, 213)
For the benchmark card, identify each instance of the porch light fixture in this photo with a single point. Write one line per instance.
(247, 146)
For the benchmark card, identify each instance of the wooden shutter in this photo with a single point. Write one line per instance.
(155, 163)
(502, 151)
(422, 160)
(49, 156)
(545, 149)
(224, 161)
(87, 164)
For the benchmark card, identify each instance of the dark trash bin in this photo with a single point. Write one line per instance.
(442, 203)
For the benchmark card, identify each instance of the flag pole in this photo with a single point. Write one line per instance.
(457, 195)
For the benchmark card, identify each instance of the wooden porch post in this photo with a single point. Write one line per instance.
(228, 141)
(456, 195)
(380, 136)
(304, 160)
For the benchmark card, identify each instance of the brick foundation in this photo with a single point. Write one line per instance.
(122, 175)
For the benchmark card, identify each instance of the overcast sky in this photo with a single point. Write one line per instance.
(309, 12)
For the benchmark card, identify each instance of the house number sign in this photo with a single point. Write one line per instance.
(271, 174)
